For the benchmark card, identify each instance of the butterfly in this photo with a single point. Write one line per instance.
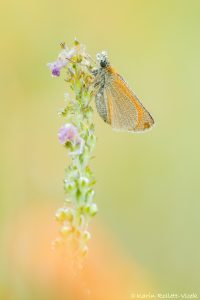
(116, 103)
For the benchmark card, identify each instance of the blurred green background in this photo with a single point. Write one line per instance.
(148, 189)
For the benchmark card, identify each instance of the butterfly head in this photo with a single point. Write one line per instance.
(102, 58)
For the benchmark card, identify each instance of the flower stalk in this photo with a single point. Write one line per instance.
(77, 135)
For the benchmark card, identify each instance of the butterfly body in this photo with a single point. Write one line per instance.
(115, 101)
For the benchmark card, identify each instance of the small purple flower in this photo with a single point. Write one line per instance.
(63, 59)
(55, 67)
(68, 133)
(55, 71)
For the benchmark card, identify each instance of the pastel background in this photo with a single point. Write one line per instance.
(146, 237)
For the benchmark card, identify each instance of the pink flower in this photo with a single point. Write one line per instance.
(63, 59)
(55, 68)
(68, 133)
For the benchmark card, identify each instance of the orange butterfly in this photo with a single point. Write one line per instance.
(116, 103)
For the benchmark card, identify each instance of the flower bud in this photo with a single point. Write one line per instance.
(90, 196)
(91, 209)
(86, 236)
(64, 214)
(60, 215)
(68, 201)
(65, 231)
(84, 250)
(69, 185)
(83, 181)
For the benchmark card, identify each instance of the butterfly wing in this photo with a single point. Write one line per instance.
(102, 105)
(124, 108)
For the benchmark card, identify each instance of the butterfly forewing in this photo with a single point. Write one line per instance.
(123, 113)
(125, 110)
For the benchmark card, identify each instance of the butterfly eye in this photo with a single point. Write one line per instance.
(103, 63)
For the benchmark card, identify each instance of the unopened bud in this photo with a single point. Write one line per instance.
(65, 231)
